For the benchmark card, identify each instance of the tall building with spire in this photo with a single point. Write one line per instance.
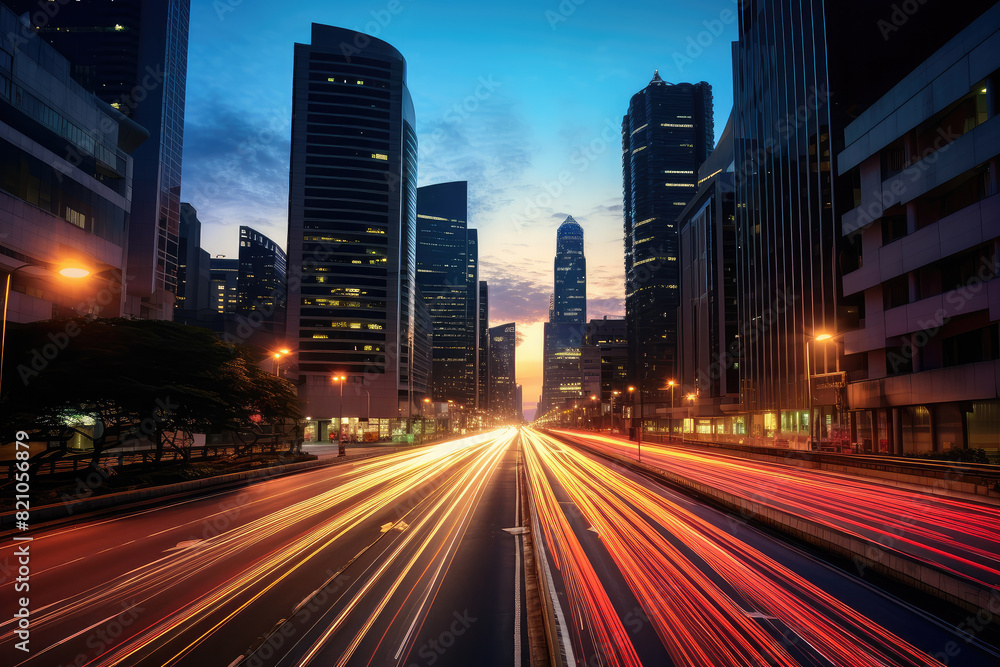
(564, 331)
(666, 135)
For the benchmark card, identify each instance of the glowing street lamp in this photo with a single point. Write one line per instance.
(73, 272)
(819, 338)
(278, 355)
(341, 451)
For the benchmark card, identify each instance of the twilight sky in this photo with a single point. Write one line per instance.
(523, 99)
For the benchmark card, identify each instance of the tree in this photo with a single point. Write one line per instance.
(139, 378)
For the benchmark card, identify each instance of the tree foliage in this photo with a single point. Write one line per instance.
(138, 377)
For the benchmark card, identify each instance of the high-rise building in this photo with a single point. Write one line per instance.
(193, 264)
(605, 342)
(925, 254)
(483, 393)
(351, 227)
(503, 343)
(224, 277)
(792, 114)
(563, 333)
(64, 188)
(666, 135)
(133, 55)
(708, 325)
(261, 284)
(448, 277)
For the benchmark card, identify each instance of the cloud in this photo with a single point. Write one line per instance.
(236, 164)
(517, 292)
(486, 145)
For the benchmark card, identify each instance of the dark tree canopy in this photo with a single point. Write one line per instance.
(162, 376)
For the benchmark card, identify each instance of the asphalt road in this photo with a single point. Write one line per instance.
(397, 560)
(647, 576)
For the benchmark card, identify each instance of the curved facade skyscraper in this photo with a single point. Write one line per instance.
(562, 379)
(351, 226)
(666, 135)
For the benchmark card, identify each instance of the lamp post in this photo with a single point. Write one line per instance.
(423, 420)
(593, 397)
(818, 338)
(613, 394)
(66, 272)
(638, 431)
(341, 451)
(691, 398)
(671, 384)
(276, 356)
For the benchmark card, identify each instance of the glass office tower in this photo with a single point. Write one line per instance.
(666, 135)
(448, 277)
(133, 55)
(563, 333)
(351, 227)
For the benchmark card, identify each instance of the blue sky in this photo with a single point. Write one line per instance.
(553, 80)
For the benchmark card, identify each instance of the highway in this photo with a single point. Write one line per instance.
(959, 535)
(396, 560)
(646, 576)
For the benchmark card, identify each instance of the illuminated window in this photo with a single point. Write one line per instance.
(380, 156)
(640, 148)
(679, 185)
(320, 336)
(676, 125)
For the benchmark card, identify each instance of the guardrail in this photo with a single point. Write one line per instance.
(115, 458)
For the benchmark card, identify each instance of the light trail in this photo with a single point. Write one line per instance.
(958, 535)
(712, 598)
(444, 504)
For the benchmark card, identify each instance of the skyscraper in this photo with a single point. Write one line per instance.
(64, 190)
(193, 264)
(351, 226)
(666, 135)
(261, 284)
(448, 277)
(482, 401)
(563, 333)
(503, 390)
(794, 114)
(133, 55)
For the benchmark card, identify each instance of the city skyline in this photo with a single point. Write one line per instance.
(541, 120)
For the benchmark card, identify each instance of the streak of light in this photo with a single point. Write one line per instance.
(711, 598)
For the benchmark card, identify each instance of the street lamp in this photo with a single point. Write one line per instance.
(341, 451)
(593, 397)
(671, 384)
(73, 272)
(638, 431)
(613, 394)
(819, 338)
(278, 355)
(691, 398)
(423, 420)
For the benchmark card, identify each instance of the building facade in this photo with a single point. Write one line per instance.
(709, 328)
(133, 56)
(793, 102)
(193, 264)
(448, 277)
(666, 135)
(924, 253)
(563, 333)
(352, 227)
(503, 384)
(64, 185)
(261, 286)
(483, 392)
(606, 340)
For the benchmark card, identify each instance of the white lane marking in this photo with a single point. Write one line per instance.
(517, 561)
